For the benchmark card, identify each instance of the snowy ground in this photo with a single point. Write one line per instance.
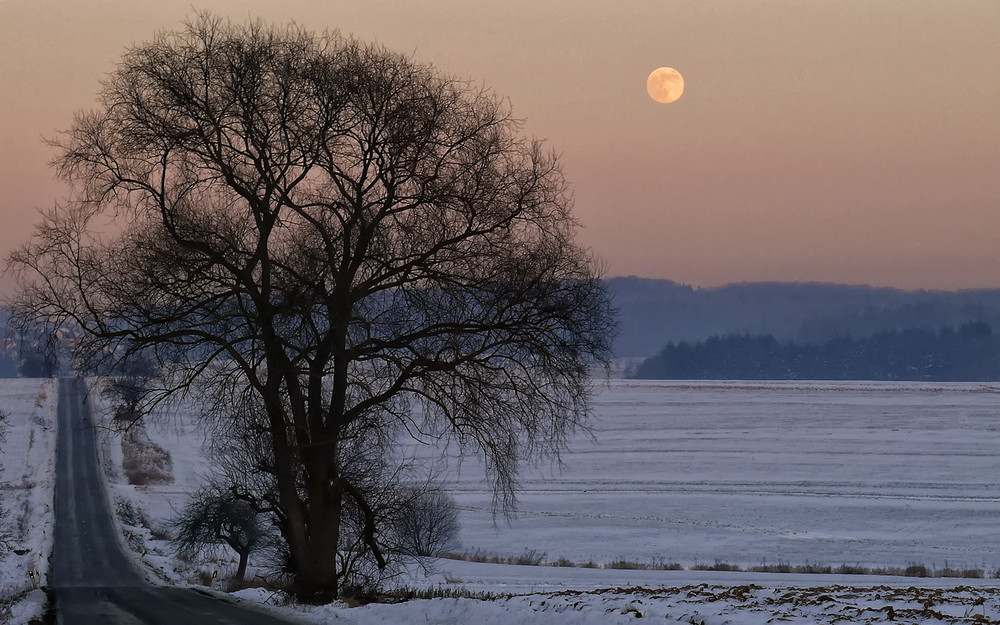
(26, 482)
(826, 473)
(823, 473)
(697, 604)
(145, 511)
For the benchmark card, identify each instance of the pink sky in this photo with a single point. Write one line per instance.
(834, 140)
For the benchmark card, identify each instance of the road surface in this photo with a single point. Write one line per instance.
(91, 579)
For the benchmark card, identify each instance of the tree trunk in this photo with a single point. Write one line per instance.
(241, 572)
(317, 577)
(313, 545)
(311, 527)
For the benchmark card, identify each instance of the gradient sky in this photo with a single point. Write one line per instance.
(817, 140)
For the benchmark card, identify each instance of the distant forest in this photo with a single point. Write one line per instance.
(656, 312)
(969, 354)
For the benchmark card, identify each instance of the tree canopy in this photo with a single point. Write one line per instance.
(344, 241)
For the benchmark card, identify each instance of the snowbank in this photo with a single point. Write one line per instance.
(26, 494)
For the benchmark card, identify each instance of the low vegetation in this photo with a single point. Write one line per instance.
(143, 461)
(535, 558)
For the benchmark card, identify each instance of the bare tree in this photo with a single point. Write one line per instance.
(38, 347)
(213, 517)
(427, 525)
(128, 389)
(355, 242)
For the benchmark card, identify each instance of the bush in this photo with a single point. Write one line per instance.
(427, 524)
(916, 570)
(127, 391)
(717, 566)
(530, 558)
(627, 565)
(143, 461)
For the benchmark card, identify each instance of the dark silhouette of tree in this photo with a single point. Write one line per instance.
(427, 524)
(38, 348)
(213, 517)
(128, 390)
(353, 242)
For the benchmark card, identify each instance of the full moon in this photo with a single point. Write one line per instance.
(665, 85)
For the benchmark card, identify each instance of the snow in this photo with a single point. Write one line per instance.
(870, 474)
(699, 604)
(156, 504)
(26, 494)
(749, 474)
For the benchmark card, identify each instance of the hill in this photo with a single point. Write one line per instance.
(656, 312)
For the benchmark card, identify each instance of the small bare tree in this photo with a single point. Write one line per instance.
(355, 241)
(128, 388)
(214, 517)
(38, 348)
(427, 525)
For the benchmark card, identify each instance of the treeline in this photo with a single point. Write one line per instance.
(969, 354)
(656, 312)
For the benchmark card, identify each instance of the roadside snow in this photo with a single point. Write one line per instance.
(144, 512)
(26, 495)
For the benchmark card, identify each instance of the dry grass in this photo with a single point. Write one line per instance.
(528, 558)
(406, 593)
(716, 566)
(143, 461)
(534, 558)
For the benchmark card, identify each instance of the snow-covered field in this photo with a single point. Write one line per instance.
(26, 483)
(748, 473)
(744, 473)
(696, 605)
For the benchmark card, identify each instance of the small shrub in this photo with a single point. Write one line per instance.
(143, 461)
(772, 568)
(529, 558)
(203, 577)
(427, 524)
(135, 541)
(627, 565)
(815, 569)
(258, 581)
(893, 571)
(717, 566)
(966, 573)
(916, 570)
(668, 566)
(130, 515)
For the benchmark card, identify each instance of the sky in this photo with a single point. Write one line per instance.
(849, 141)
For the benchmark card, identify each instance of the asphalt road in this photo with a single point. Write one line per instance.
(91, 579)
